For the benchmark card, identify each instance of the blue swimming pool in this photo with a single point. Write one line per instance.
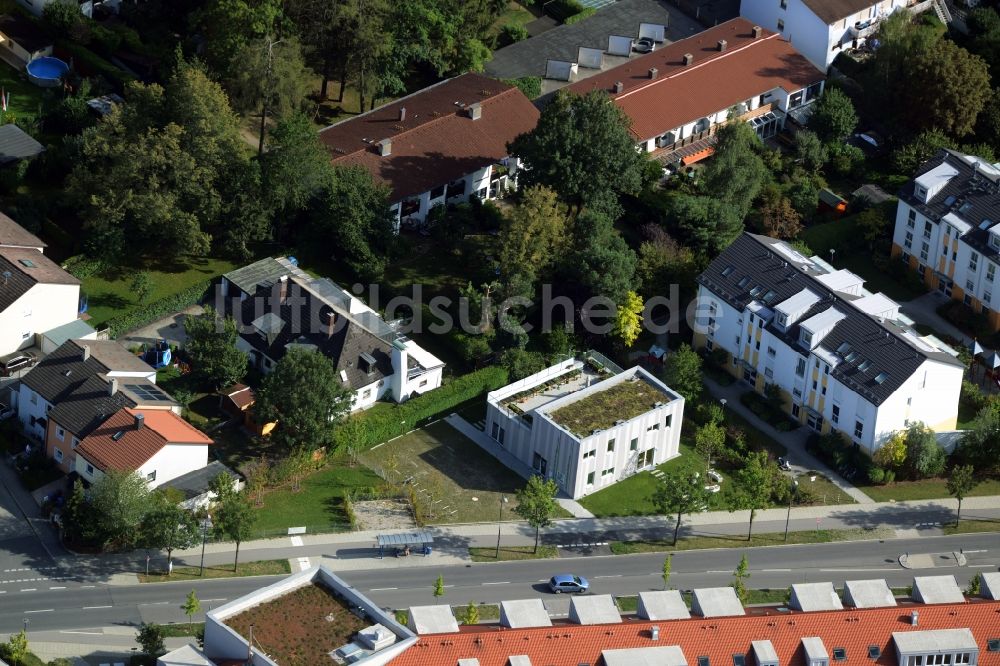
(46, 71)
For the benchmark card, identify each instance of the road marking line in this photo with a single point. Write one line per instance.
(981, 566)
(44, 610)
(502, 582)
(87, 633)
(30, 589)
(609, 576)
(87, 586)
(296, 541)
(837, 570)
(94, 608)
(303, 563)
(382, 589)
(726, 571)
(209, 600)
(58, 587)
(448, 586)
(775, 570)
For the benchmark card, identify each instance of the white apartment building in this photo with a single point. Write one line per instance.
(821, 29)
(277, 305)
(679, 95)
(948, 229)
(844, 358)
(586, 424)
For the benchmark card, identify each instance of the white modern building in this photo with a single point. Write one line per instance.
(821, 29)
(844, 358)
(948, 229)
(36, 295)
(444, 144)
(277, 305)
(677, 96)
(585, 423)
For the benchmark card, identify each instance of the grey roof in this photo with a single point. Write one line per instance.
(12, 233)
(432, 620)
(662, 605)
(263, 273)
(25, 32)
(937, 590)
(716, 602)
(21, 268)
(88, 406)
(990, 585)
(595, 609)
(933, 640)
(197, 482)
(768, 267)
(64, 370)
(661, 655)
(815, 597)
(73, 330)
(972, 195)
(16, 144)
(814, 648)
(405, 538)
(521, 613)
(868, 594)
(873, 194)
(528, 57)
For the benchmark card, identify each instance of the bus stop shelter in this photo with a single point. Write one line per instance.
(421, 540)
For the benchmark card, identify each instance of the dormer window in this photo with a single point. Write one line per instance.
(805, 337)
(366, 363)
(920, 192)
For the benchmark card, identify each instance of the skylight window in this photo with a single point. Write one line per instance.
(864, 365)
(844, 348)
(852, 357)
(950, 200)
(993, 645)
(27, 263)
(881, 377)
(739, 660)
(726, 271)
(769, 296)
(744, 281)
(703, 660)
(874, 652)
(839, 654)
(756, 291)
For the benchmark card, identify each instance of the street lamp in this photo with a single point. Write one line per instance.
(795, 489)
(25, 627)
(206, 525)
(503, 500)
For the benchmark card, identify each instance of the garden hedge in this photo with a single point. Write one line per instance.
(384, 421)
(159, 308)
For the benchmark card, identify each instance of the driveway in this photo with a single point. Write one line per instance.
(923, 310)
(169, 328)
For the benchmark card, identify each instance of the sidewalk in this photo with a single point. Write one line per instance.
(923, 310)
(794, 441)
(109, 645)
(29, 511)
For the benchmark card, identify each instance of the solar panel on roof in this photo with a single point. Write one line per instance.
(147, 392)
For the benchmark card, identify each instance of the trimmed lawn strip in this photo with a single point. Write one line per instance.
(968, 526)
(181, 629)
(487, 612)
(511, 553)
(902, 491)
(738, 541)
(110, 293)
(261, 568)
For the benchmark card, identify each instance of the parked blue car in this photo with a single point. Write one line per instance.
(568, 583)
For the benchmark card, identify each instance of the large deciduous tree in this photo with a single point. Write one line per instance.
(581, 147)
(600, 263)
(536, 503)
(118, 502)
(756, 486)
(736, 173)
(211, 345)
(295, 167)
(305, 397)
(533, 234)
(169, 527)
(682, 372)
(229, 25)
(678, 494)
(924, 456)
(708, 223)
(980, 445)
(833, 117)
(948, 87)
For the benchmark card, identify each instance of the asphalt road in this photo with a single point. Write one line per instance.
(87, 606)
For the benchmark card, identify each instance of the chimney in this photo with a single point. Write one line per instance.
(619, 86)
(113, 386)
(688, 58)
(475, 110)
(331, 324)
(723, 44)
(86, 353)
(402, 113)
(385, 147)
(653, 72)
(140, 420)
(757, 32)
(914, 616)
(283, 289)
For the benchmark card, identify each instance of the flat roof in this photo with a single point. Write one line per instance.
(662, 605)
(521, 613)
(596, 609)
(815, 597)
(936, 177)
(937, 590)
(73, 330)
(665, 655)
(602, 405)
(990, 585)
(934, 640)
(869, 593)
(432, 619)
(716, 602)
(814, 647)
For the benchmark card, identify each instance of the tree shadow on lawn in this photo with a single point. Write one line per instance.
(471, 469)
(108, 300)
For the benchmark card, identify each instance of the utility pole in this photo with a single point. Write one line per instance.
(266, 92)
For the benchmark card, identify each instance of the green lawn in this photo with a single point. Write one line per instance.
(968, 526)
(261, 568)
(111, 293)
(740, 541)
(25, 97)
(509, 553)
(515, 14)
(319, 504)
(902, 491)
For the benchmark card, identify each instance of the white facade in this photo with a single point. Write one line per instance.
(760, 356)
(484, 184)
(170, 462)
(40, 309)
(811, 35)
(581, 465)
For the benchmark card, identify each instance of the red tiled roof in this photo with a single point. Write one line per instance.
(130, 451)
(715, 81)
(241, 395)
(436, 142)
(718, 639)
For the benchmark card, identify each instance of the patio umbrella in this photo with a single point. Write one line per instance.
(993, 362)
(975, 349)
